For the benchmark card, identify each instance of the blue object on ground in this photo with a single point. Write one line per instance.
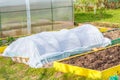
(115, 77)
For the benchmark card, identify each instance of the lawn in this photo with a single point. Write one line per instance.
(10, 70)
(15, 71)
(111, 16)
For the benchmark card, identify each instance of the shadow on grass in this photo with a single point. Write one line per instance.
(90, 17)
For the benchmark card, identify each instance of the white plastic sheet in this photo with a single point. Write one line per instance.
(47, 47)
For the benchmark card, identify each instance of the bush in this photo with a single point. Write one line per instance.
(89, 5)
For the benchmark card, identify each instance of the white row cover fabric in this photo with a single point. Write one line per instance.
(47, 47)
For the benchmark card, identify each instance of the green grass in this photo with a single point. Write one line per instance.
(112, 16)
(15, 71)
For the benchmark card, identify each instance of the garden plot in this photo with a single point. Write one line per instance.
(114, 34)
(106, 24)
(100, 60)
(99, 64)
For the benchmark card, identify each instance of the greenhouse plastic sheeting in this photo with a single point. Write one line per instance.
(25, 17)
(46, 47)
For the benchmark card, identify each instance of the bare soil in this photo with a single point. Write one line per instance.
(113, 34)
(106, 24)
(99, 60)
(103, 24)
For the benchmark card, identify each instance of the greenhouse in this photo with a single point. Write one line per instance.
(25, 17)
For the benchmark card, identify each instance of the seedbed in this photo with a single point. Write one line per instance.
(113, 34)
(100, 60)
(106, 24)
(99, 64)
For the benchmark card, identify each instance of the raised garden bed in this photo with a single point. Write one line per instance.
(100, 60)
(114, 35)
(106, 24)
(96, 65)
(4, 42)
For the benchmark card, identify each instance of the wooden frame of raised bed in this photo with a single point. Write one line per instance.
(103, 29)
(87, 72)
(2, 48)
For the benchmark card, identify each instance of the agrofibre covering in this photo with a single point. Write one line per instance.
(46, 47)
